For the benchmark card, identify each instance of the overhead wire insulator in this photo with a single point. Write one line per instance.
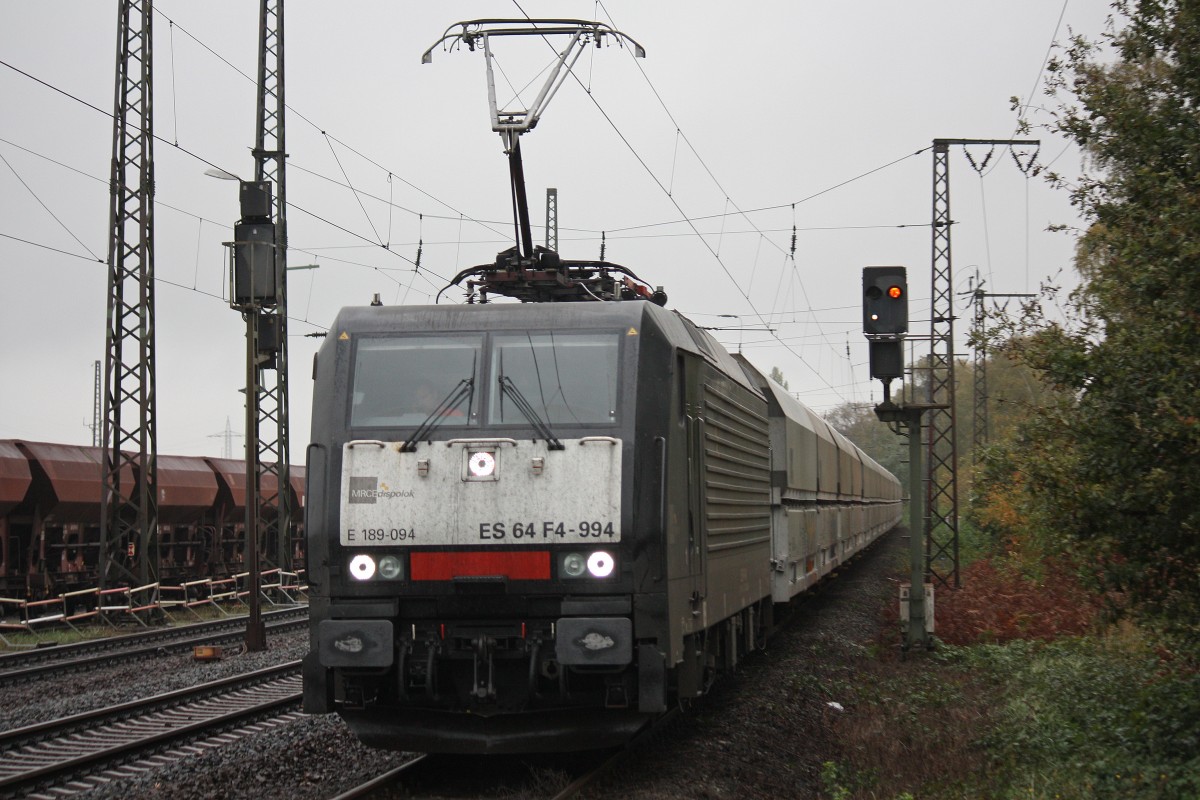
(793, 253)
(388, 246)
(420, 241)
(1028, 165)
(602, 242)
(978, 167)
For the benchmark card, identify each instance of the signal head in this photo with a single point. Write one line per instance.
(885, 302)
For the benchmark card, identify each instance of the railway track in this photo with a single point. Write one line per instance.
(614, 758)
(382, 781)
(555, 777)
(38, 758)
(36, 663)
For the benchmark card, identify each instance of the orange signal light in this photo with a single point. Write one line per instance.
(894, 292)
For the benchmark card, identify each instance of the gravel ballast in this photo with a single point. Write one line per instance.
(762, 732)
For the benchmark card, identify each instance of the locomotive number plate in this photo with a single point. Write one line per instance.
(547, 531)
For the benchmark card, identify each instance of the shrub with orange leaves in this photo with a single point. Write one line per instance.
(998, 603)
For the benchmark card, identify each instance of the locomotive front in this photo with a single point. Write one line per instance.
(471, 539)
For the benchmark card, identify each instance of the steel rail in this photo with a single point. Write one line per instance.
(83, 655)
(40, 754)
(616, 757)
(386, 779)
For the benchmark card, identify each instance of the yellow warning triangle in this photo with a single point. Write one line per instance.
(631, 332)
(345, 337)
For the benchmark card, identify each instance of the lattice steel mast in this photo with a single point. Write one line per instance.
(941, 487)
(272, 429)
(129, 475)
(980, 433)
(979, 430)
(97, 402)
(552, 220)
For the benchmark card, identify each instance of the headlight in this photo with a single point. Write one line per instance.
(481, 464)
(600, 564)
(597, 564)
(362, 567)
(573, 565)
(391, 568)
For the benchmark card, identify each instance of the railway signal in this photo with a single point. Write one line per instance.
(885, 324)
(885, 320)
(885, 301)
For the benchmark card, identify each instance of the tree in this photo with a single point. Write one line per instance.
(1111, 459)
(777, 376)
(858, 423)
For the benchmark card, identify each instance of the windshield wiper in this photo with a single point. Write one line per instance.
(543, 430)
(465, 390)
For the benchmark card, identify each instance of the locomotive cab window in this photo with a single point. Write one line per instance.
(566, 378)
(401, 382)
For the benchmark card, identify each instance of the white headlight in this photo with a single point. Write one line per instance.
(362, 567)
(481, 464)
(600, 564)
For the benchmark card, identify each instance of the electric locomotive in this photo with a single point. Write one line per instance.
(536, 526)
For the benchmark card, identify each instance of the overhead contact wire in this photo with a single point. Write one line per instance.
(53, 216)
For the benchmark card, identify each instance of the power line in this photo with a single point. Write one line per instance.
(61, 224)
(325, 133)
(1042, 68)
(201, 219)
(196, 155)
(93, 259)
(108, 114)
(157, 278)
(486, 224)
(695, 230)
(779, 206)
(670, 196)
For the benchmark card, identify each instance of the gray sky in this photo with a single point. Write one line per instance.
(759, 106)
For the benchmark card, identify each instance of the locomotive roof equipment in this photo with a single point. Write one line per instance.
(525, 272)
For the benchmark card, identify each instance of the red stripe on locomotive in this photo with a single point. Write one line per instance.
(524, 565)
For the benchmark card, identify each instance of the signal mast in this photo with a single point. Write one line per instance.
(525, 272)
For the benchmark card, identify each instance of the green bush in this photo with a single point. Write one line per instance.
(1108, 717)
